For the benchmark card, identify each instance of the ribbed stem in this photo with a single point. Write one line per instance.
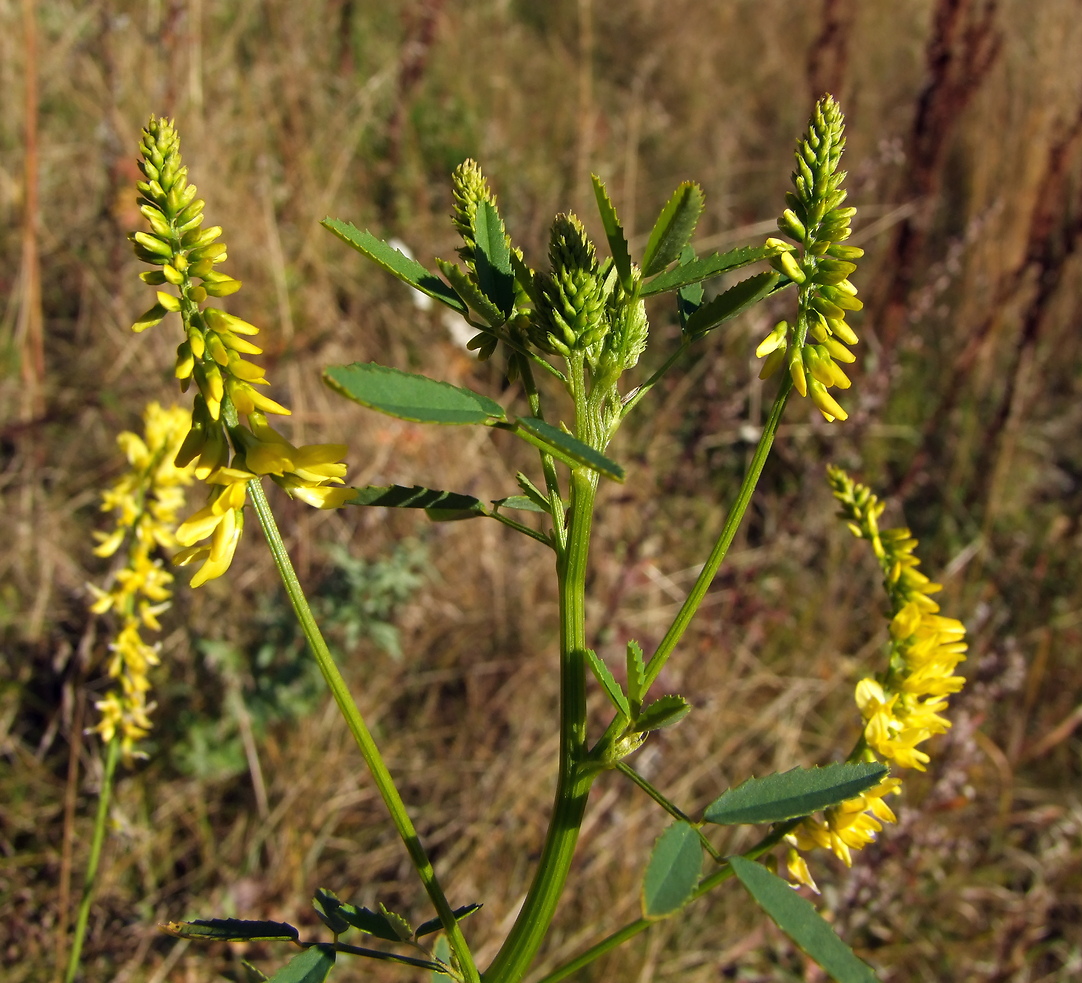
(573, 782)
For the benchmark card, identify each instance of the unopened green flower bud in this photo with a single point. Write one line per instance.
(791, 225)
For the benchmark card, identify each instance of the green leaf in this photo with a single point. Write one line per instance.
(252, 974)
(732, 302)
(471, 293)
(698, 270)
(407, 270)
(673, 872)
(790, 794)
(311, 966)
(442, 951)
(370, 922)
(538, 497)
(409, 396)
(402, 928)
(231, 930)
(801, 922)
(522, 502)
(673, 228)
(614, 232)
(636, 676)
(434, 925)
(492, 259)
(568, 449)
(327, 904)
(663, 712)
(689, 297)
(608, 681)
(416, 497)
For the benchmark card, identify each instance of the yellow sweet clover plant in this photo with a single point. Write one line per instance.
(583, 322)
(212, 355)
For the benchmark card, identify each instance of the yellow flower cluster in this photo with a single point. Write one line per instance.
(147, 500)
(820, 267)
(904, 705)
(227, 454)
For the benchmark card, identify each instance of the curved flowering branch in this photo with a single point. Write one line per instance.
(213, 355)
(904, 705)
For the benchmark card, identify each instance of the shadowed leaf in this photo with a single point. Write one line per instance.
(231, 930)
(407, 270)
(732, 302)
(311, 966)
(673, 228)
(416, 497)
(608, 681)
(798, 919)
(492, 258)
(697, 270)
(614, 232)
(568, 449)
(433, 924)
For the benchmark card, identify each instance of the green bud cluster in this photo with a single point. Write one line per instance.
(469, 188)
(819, 264)
(572, 295)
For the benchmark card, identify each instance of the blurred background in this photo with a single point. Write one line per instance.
(965, 160)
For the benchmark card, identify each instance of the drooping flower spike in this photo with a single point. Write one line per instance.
(903, 706)
(147, 500)
(226, 453)
(819, 265)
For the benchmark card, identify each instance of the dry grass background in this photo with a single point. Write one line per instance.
(965, 155)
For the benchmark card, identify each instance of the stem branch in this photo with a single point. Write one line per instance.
(361, 734)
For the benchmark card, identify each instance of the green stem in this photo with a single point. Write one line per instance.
(112, 756)
(632, 929)
(573, 781)
(669, 806)
(728, 532)
(361, 734)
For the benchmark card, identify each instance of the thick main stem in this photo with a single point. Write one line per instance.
(573, 782)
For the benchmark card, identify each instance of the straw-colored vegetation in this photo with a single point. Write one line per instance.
(965, 154)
